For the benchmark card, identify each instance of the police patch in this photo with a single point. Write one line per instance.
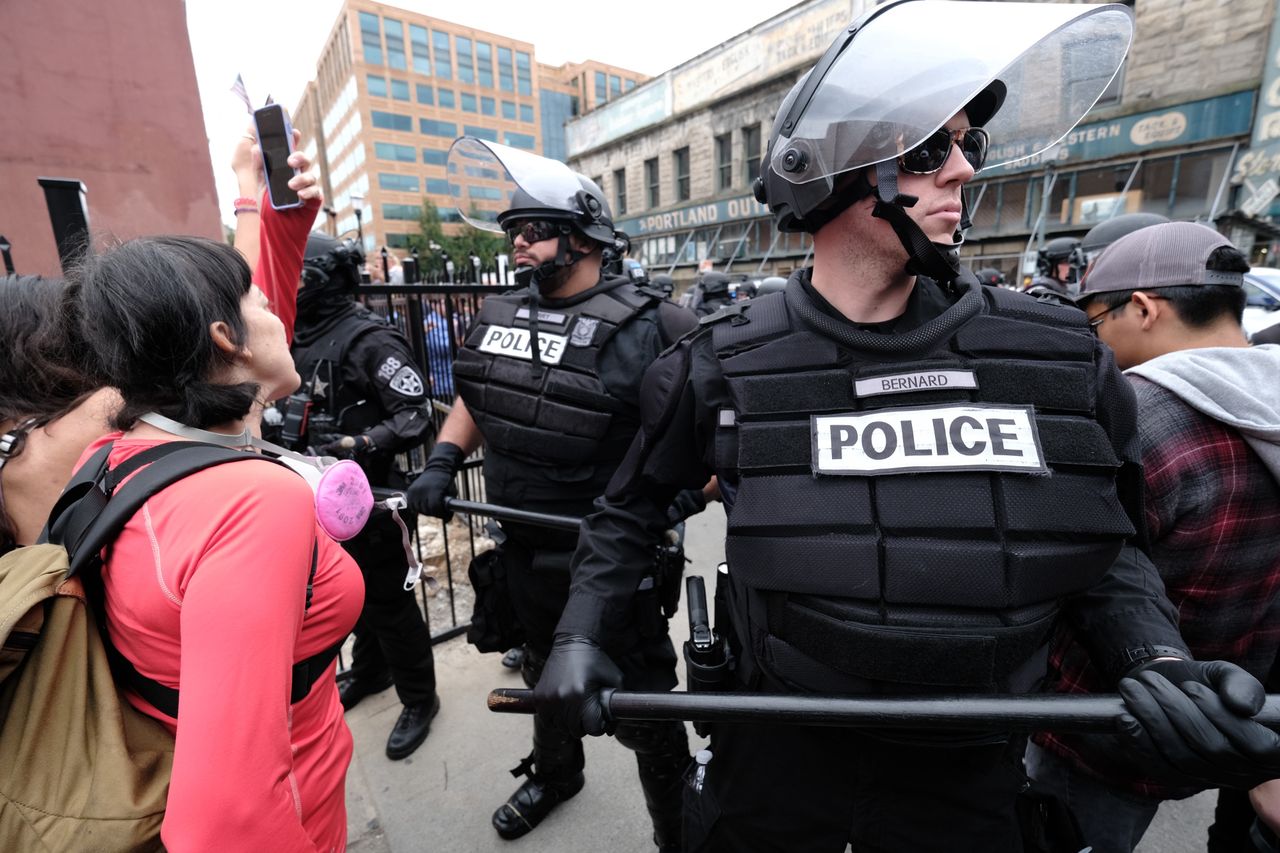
(584, 331)
(969, 437)
(501, 340)
(389, 367)
(407, 382)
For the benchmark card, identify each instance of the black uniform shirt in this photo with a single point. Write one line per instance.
(1123, 615)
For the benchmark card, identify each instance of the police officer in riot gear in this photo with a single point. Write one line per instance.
(549, 380)
(921, 475)
(1107, 232)
(710, 293)
(770, 284)
(1059, 266)
(366, 400)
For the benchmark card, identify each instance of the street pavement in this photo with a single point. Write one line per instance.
(440, 799)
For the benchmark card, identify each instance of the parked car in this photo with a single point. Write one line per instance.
(1262, 299)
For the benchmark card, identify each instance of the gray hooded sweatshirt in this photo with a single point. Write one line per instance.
(1237, 386)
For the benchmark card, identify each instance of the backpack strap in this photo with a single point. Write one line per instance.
(94, 509)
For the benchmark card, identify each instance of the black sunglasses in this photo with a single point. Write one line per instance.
(931, 154)
(532, 230)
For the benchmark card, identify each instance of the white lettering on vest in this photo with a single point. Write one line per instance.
(500, 340)
(969, 437)
(927, 380)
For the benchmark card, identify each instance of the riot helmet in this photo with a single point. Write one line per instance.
(990, 276)
(330, 273)
(1058, 251)
(771, 284)
(1105, 233)
(1025, 72)
(663, 282)
(713, 283)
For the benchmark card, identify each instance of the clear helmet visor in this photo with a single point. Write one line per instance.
(479, 163)
(914, 66)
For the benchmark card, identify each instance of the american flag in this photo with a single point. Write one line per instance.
(242, 93)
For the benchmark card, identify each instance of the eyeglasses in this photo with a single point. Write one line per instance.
(1096, 320)
(532, 230)
(931, 154)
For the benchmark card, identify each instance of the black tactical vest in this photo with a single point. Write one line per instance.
(911, 507)
(560, 412)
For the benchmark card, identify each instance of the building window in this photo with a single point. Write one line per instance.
(437, 186)
(486, 193)
(398, 183)
(488, 106)
(651, 181)
(480, 132)
(391, 151)
(630, 84)
(444, 97)
(620, 191)
(526, 112)
(433, 157)
(395, 43)
(377, 85)
(468, 102)
(371, 38)
(484, 64)
(680, 164)
(724, 161)
(397, 241)
(524, 73)
(402, 211)
(509, 110)
(443, 54)
(506, 75)
(602, 94)
(391, 121)
(431, 127)
(425, 95)
(466, 71)
(519, 140)
(615, 86)
(400, 89)
(750, 153)
(418, 45)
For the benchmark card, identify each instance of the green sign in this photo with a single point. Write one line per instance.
(1196, 121)
(695, 216)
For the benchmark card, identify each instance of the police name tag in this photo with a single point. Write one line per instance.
(543, 316)
(970, 437)
(923, 380)
(500, 340)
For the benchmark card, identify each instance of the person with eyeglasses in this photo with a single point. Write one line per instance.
(548, 380)
(1167, 299)
(923, 477)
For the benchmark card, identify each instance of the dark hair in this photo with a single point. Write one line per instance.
(41, 373)
(1197, 305)
(144, 309)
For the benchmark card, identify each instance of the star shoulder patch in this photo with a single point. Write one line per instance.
(407, 382)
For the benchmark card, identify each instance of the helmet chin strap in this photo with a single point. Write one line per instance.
(939, 261)
(533, 278)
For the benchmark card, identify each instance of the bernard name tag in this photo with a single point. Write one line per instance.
(968, 437)
(923, 380)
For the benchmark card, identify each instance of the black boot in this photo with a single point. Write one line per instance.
(662, 757)
(554, 769)
(412, 727)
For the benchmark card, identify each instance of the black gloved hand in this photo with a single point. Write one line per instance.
(568, 692)
(687, 504)
(343, 446)
(1192, 717)
(427, 493)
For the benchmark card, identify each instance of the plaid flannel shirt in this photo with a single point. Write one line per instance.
(1213, 518)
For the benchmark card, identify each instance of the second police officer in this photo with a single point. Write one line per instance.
(549, 380)
(367, 401)
(921, 475)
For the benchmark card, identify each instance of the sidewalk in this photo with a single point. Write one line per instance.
(440, 799)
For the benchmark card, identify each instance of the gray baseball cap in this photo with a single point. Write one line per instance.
(1173, 254)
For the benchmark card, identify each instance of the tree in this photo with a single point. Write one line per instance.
(460, 246)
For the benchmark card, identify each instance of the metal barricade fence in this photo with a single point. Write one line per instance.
(441, 314)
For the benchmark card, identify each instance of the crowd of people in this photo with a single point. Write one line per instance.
(933, 485)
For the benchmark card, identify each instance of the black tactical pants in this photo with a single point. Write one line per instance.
(787, 788)
(391, 635)
(539, 587)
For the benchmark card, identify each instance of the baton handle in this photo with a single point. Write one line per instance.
(1041, 712)
(506, 513)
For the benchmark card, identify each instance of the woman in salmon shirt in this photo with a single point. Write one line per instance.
(206, 587)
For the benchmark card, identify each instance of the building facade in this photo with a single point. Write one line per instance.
(394, 88)
(1181, 131)
(80, 84)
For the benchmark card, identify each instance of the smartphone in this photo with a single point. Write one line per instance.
(275, 138)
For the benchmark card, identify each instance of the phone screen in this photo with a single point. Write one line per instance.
(273, 139)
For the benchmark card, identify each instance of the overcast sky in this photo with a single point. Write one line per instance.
(274, 44)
